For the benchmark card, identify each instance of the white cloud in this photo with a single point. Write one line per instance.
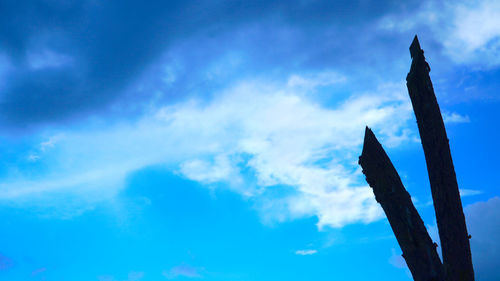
(277, 132)
(469, 192)
(33, 157)
(454, 117)
(220, 169)
(305, 252)
(469, 30)
(475, 29)
(51, 142)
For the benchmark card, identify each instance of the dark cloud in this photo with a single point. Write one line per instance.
(483, 221)
(105, 47)
(109, 43)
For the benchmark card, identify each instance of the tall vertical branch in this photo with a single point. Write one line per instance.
(418, 249)
(450, 218)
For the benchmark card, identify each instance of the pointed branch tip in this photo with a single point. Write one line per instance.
(415, 47)
(369, 135)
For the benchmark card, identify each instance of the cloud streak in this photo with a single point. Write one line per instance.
(277, 132)
(468, 30)
(454, 117)
(306, 252)
(182, 271)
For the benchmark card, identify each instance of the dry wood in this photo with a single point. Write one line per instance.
(418, 249)
(450, 218)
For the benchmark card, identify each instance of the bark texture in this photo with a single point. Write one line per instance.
(450, 218)
(418, 249)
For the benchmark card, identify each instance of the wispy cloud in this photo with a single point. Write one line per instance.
(135, 275)
(454, 117)
(182, 271)
(47, 59)
(468, 30)
(314, 80)
(279, 133)
(38, 271)
(132, 276)
(469, 192)
(305, 252)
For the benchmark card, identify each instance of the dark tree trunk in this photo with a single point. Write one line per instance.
(418, 249)
(450, 218)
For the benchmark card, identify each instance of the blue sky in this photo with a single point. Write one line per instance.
(218, 140)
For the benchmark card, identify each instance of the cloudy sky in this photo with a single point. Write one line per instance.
(218, 140)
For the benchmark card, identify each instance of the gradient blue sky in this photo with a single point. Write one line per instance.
(218, 140)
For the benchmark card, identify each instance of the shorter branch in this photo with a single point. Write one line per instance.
(418, 249)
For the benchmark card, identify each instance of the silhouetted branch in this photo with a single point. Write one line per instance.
(447, 204)
(418, 249)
